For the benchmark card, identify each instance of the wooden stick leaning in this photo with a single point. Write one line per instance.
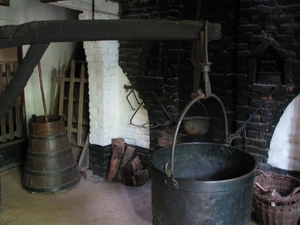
(42, 91)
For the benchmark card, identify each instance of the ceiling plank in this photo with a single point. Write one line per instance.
(93, 30)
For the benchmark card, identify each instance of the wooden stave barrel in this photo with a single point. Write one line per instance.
(50, 165)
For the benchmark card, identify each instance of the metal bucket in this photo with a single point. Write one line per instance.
(50, 165)
(212, 185)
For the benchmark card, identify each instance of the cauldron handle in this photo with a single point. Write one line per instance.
(170, 172)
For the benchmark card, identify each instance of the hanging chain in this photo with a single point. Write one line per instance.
(245, 138)
(160, 55)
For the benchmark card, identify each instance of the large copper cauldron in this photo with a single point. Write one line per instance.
(201, 183)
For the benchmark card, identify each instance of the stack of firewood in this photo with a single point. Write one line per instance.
(125, 166)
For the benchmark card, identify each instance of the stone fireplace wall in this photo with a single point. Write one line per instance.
(267, 56)
(258, 51)
(170, 61)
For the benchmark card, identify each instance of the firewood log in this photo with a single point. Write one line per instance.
(130, 170)
(141, 177)
(126, 158)
(118, 147)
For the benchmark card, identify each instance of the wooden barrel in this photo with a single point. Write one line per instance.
(50, 165)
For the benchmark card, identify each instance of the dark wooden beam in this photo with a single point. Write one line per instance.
(92, 30)
(20, 79)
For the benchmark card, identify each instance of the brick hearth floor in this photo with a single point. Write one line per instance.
(88, 203)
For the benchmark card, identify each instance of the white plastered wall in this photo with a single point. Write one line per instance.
(110, 112)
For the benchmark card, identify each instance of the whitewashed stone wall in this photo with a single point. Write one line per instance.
(284, 150)
(110, 112)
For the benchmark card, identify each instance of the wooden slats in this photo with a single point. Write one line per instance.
(80, 106)
(21, 77)
(73, 101)
(70, 104)
(11, 125)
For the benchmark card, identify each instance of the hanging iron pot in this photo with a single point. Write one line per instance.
(196, 125)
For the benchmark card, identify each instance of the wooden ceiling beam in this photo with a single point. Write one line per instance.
(41, 33)
(93, 30)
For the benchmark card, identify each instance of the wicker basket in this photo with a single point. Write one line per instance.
(276, 199)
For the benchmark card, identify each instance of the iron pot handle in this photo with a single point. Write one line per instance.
(170, 172)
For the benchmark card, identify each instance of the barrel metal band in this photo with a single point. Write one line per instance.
(50, 155)
(47, 137)
(52, 173)
(52, 189)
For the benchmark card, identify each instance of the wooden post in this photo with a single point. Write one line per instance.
(80, 105)
(53, 103)
(71, 101)
(62, 91)
(42, 92)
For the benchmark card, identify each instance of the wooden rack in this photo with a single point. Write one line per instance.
(11, 127)
(72, 103)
